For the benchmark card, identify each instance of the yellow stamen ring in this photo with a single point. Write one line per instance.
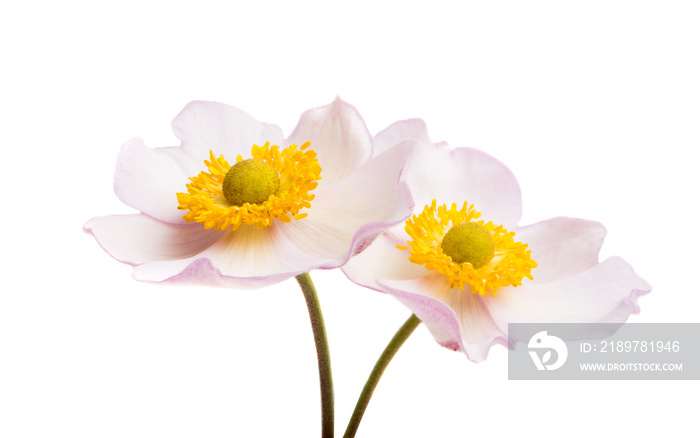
(507, 265)
(298, 171)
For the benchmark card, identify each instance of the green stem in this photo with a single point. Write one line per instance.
(324, 357)
(389, 352)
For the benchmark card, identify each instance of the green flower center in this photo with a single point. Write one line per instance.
(468, 242)
(250, 181)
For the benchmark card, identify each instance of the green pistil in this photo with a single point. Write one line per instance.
(468, 242)
(252, 181)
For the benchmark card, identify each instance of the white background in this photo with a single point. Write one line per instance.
(594, 105)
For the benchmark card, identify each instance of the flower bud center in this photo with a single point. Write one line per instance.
(250, 181)
(468, 242)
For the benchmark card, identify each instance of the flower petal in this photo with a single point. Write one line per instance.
(458, 320)
(404, 130)
(465, 174)
(188, 253)
(244, 258)
(345, 217)
(606, 293)
(338, 135)
(148, 179)
(562, 246)
(382, 261)
(137, 238)
(203, 126)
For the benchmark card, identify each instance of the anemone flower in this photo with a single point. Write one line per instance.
(464, 266)
(237, 204)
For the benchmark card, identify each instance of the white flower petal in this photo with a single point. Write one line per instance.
(355, 210)
(149, 179)
(203, 126)
(607, 292)
(382, 261)
(398, 132)
(458, 320)
(202, 272)
(562, 246)
(464, 174)
(247, 258)
(437, 316)
(338, 135)
(137, 238)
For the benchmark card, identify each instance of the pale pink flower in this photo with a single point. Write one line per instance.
(309, 223)
(568, 283)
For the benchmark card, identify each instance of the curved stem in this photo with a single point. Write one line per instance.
(322, 351)
(389, 352)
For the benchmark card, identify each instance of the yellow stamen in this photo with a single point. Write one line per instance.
(440, 241)
(298, 171)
